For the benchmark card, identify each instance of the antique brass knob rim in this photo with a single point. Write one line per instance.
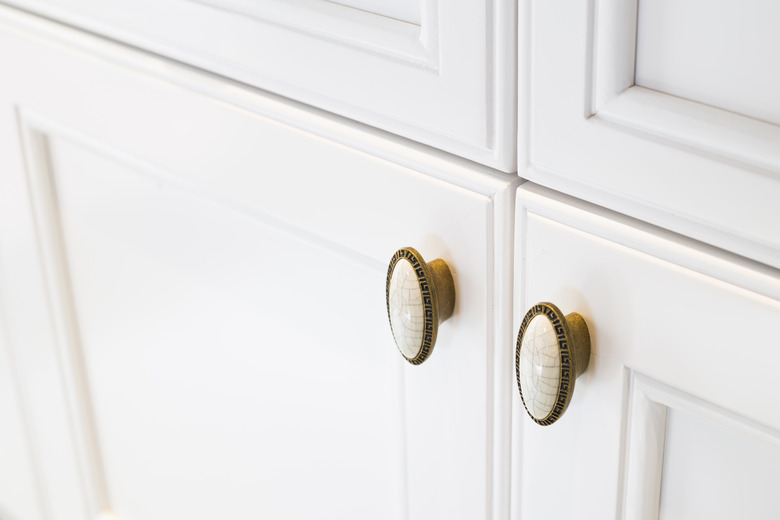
(437, 291)
(573, 342)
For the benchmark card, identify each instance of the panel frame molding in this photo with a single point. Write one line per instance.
(642, 397)
(433, 83)
(706, 129)
(36, 131)
(644, 438)
(63, 316)
(398, 40)
(596, 135)
(45, 114)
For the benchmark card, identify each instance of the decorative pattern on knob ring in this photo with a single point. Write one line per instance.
(573, 348)
(437, 302)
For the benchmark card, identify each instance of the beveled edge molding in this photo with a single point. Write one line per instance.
(643, 438)
(41, 187)
(399, 40)
(617, 99)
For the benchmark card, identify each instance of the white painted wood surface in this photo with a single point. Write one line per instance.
(447, 81)
(195, 295)
(678, 329)
(594, 132)
(18, 483)
(746, 471)
(724, 55)
(405, 10)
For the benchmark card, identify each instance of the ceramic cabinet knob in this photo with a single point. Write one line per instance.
(420, 296)
(552, 351)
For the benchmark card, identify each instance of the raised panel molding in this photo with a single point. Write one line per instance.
(66, 342)
(74, 422)
(405, 10)
(389, 38)
(724, 57)
(448, 82)
(666, 316)
(68, 416)
(77, 426)
(595, 134)
(644, 445)
(134, 111)
(705, 130)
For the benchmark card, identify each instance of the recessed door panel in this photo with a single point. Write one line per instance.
(722, 54)
(679, 355)
(196, 291)
(661, 110)
(223, 356)
(712, 472)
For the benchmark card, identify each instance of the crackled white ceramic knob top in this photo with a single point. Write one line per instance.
(419, 296)
(552, 350)
(540, 367)
(407, 313)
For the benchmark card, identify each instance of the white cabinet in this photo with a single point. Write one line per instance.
(591, 129)
(661, 118)
(439, 72)
(199, 199)
(193, 301)
(678, 413)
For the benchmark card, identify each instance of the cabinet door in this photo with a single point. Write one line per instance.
(436, 71)
(677, 415)
(665, 110)
(194, 301)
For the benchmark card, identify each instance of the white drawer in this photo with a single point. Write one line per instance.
(445, 76)
(678, 412)
(613, 119)
(209, 337)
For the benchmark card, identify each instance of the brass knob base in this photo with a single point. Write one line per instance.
(444, 288)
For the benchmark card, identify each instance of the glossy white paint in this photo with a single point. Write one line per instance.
(192, 270)
(665, 423)
(405, 10)
(746, 469)
(196, 292)
(18, 484)
(447, 81)
(665, 314)
(728, 61)
(595, 133)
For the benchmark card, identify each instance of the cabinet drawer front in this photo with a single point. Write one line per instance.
(209, 337)
(683, 356)
(443, 74)
(605, 122)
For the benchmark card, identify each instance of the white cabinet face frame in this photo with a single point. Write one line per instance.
(588, 130)
(447, 81)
